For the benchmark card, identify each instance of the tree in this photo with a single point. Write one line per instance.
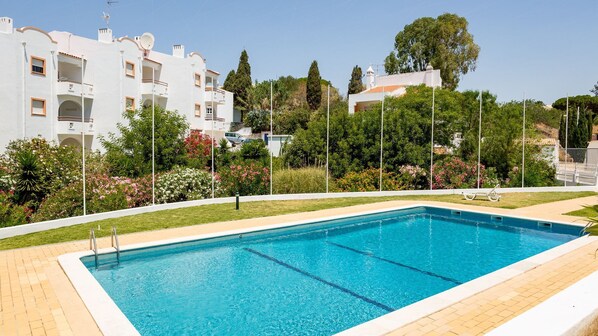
(242, 84)
(258, 120)
(355, 84)
(229, 82)
(595, 89)
(28, 180)
(391, 64)
(129, 152)
(314, 87)
(444, 43)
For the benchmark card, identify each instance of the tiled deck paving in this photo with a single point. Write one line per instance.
(36, 297)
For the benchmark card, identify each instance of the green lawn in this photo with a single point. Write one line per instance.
(585, 212)
(226, 212)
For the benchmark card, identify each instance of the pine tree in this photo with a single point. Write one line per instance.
(229, 82)
(355, 84)
(242, 84)
(314, 88)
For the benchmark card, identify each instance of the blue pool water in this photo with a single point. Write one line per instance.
(315, 279)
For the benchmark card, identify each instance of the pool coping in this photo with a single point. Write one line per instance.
(112, 321)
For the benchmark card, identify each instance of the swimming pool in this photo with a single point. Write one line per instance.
(318, 278)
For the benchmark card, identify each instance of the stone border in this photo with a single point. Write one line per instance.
(58, 223)
(112, 321)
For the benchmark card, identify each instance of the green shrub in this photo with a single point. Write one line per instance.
(103, 194)
(367, 180)
(249, 178)
(183, 184)
(538, 173)
(408, 178)
(11, 214)
(255, 150)
(302, 180)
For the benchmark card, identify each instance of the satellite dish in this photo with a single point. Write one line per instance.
(146, 41)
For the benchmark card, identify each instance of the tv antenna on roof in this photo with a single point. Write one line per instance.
(106, 15)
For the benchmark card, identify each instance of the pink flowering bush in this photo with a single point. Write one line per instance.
(199, 148)
(247, 179)
(12, 214)
(454, 173)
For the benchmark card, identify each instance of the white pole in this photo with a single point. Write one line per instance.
(566, 137)
(479, 139)
(432, 137)
(24, 88)
(327, 135)
(381, 136)
(212, 140)
(271, 134)
(83, 133)
(523, 148)
(153, 137)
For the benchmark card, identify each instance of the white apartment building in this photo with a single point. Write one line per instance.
(49, 78)
(378, 87)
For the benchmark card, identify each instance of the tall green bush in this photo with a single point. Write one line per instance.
(299, 181)
(129, 151)
(247, 179)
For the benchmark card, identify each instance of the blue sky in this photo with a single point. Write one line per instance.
(545, 48)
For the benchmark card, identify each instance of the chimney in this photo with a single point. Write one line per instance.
(6, 25)
(105, 35)
(178, 50)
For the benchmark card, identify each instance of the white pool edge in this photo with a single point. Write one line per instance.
(112, 321)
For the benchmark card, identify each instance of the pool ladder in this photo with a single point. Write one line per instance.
(93, 244)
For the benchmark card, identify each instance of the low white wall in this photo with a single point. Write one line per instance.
(565, 313)
(57, 223)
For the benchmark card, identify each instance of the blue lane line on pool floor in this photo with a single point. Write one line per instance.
(371, 255)
(315, 277)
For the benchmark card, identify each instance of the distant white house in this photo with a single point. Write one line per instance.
(378, 87)
(49, 78)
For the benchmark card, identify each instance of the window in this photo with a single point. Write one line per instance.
(38, 66)
(130, 69)
(129, 103)
(197, 79)
(209, 111)
(38, 107)
(197, 110)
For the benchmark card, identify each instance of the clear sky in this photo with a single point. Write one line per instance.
(545, 48)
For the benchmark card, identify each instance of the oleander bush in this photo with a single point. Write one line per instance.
(57, 166)
(12, 214)
(184, 184)
(199, 149)
(454, 173)
(301, 180)
(249, 178)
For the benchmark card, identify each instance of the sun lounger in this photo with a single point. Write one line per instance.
(492, 195)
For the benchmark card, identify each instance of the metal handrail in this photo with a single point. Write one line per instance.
(93, 245)
(113, 240)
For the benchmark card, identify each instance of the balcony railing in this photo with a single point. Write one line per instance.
(73, 118)
(69, 87)
(73, 125)
(157, 87)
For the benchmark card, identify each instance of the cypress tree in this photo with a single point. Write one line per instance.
(242, 84)
(314, 88)
(355, 84)
(229, 82)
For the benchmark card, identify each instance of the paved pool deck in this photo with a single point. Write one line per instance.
(37, 298)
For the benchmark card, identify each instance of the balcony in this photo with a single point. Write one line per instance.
(215, 96)
(73, 89)
(158, 88)
(72, 125)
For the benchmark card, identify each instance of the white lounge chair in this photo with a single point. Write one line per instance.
(492, 195)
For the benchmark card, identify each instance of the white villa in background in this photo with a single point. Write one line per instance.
(378, 87)
(48, 78)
